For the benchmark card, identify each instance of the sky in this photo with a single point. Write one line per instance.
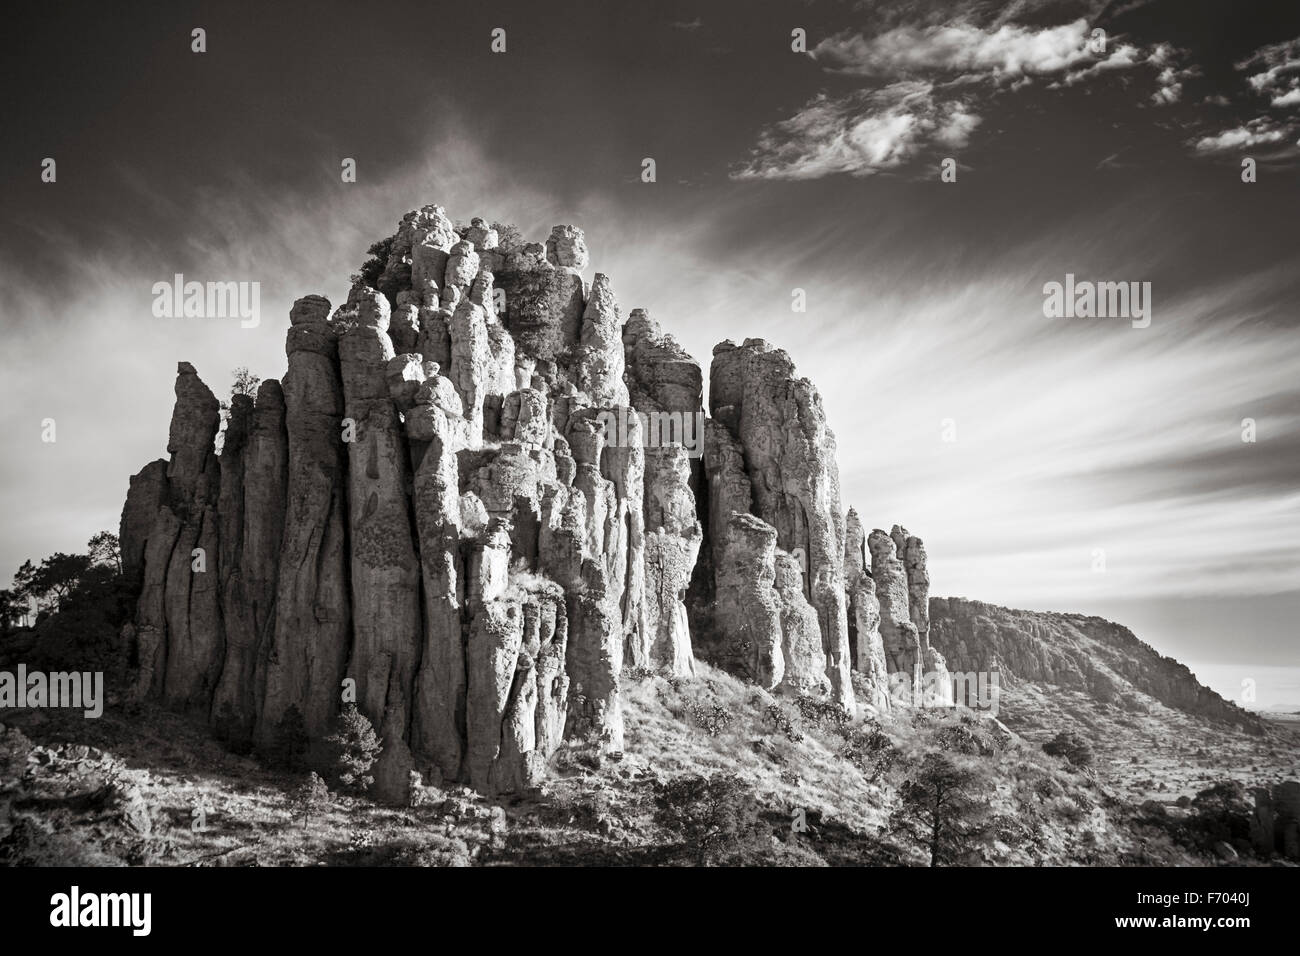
(1054, 463)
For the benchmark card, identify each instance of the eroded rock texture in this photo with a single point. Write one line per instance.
(476, 497)
(776, 428)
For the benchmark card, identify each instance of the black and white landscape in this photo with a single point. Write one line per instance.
(713, 434)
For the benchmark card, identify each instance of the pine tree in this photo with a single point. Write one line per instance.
(356, 747)
(943, 807)
(310, 798)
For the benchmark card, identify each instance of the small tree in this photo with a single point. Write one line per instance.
(1072, 747)
(105, 549)
(310, 798)
(356, 748)
(289, 744)
(709, 813)
(942, 808)
(13, 610)
(509, 238)
(374, 266)
(245, 382)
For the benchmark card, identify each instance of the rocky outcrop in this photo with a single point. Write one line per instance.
(899, 636)
(308, 650)
(777, 421)
(477, 497)
(864, 615)
(1275, 822)
(1070, 650)
(250, 562)
(179, 641)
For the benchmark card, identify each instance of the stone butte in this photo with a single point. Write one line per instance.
(431, 503)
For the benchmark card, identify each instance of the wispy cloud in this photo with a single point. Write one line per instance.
(860, 134)
(930, 85)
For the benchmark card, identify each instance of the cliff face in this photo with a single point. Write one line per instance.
(476, 496)
(1071, 650)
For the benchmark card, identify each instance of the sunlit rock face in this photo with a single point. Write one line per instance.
(481, 491)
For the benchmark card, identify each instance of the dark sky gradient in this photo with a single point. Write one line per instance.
(924, 298)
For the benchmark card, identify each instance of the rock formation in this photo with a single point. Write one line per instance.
(477, 496)
(774, 433)
(1071, 650)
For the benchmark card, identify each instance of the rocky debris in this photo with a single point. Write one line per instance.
(1071, 650)
(479, 493)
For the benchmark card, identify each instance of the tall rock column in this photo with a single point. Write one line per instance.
(248, 597)
(899, 635)
(313, 620)
(437, 431)
(790, 457)
(665, 385)
(937, 688)
(864, 614)
(386, 623)
(192, 592)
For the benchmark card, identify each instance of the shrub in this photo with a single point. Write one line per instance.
(776, 715)
(1070, 746)
(714, 720)
(871, 751)
(967, 736)
(356, 749)
(824, 714)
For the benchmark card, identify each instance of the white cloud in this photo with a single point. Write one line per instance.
(1258, 132)
(937, 79)
(861, 134)
(1281, 73)
(1007, 51)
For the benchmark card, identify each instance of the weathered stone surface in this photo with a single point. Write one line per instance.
(566, 248)
(387, 632)
(600, 358)
(180, 624)
(749, 610)
(482, 507)
(864, 615)
(672, 545)
(313, 622)
(148, 492)
(789, 454)
(249, 592)
(544, 308)
(902, 644)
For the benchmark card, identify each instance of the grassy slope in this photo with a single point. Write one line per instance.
(67, 806)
